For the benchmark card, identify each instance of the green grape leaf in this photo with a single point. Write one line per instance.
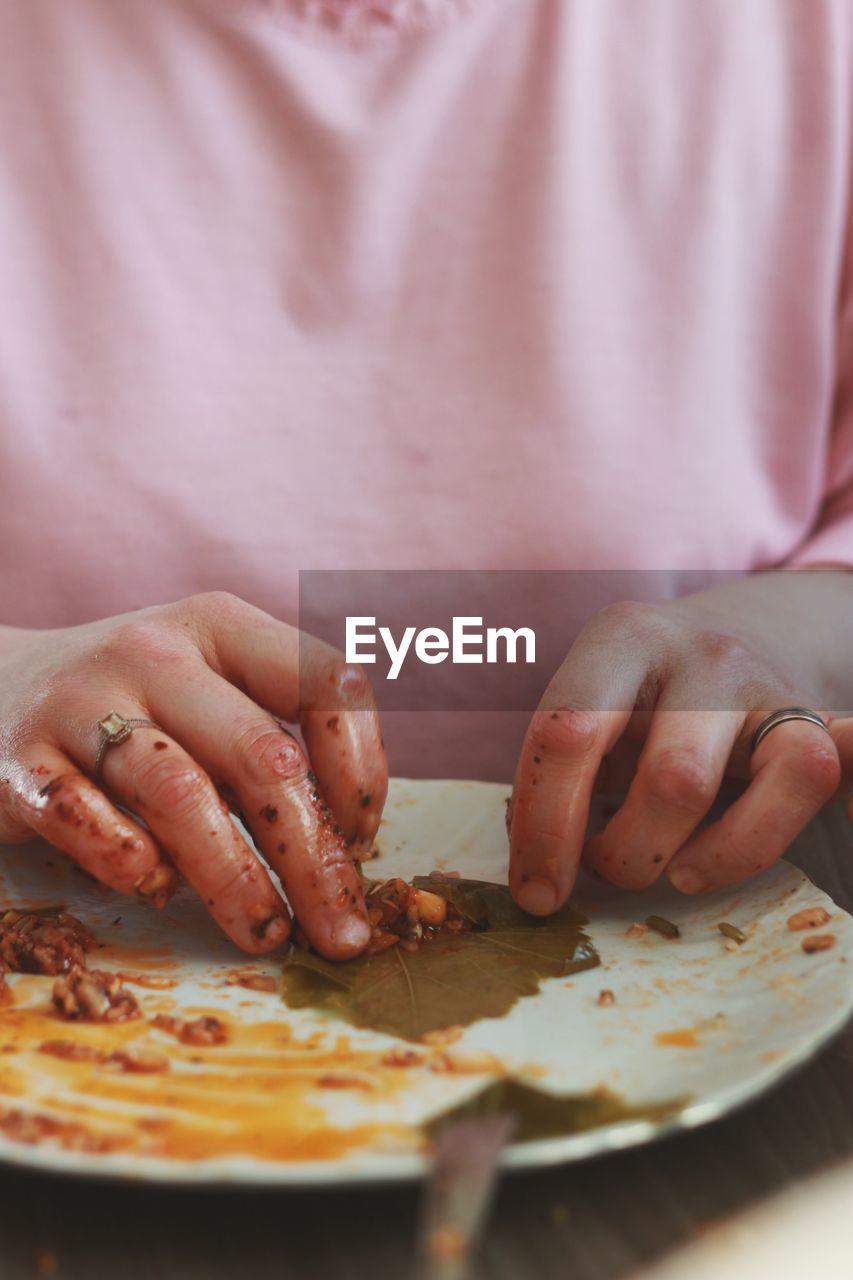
(454, 979)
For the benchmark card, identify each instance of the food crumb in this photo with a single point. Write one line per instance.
(151, 980)
(332, 1081)
(664, 927)
(93, 995)
(139, 1061)
(606, 998)
(636, 930)
(251, 979)
(442, 1036)
(808, 918)
(731, 933)
(205, 1030)
(364, 855)
(401, 1058)
(818, 942)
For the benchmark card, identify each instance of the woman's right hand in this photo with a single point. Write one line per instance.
(215, 675)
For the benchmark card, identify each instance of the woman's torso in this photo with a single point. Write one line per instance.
(501, 284)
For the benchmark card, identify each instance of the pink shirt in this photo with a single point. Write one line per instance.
(418, 284)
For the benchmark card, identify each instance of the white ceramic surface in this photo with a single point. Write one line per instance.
(690, 1017)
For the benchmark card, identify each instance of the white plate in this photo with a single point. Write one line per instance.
(690, 1019)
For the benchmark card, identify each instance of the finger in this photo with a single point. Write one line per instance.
(158, 780)
(277, 792)
(65, 808)
(348, 755)
(795, 770)
(841, 732)
(679, 773)
(842, 735)
(585, 709)
(303, 680)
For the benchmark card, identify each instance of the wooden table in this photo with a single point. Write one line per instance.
(598, 1220)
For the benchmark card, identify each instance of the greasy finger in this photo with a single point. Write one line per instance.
(279, 798)
(679, 773)
(157, 779)
(795, 770)
(64, 807)
(348, 755)
(583, 713)
(303, 680)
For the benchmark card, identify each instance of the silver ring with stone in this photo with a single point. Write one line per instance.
(113, 730)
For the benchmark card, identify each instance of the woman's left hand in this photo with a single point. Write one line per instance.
(678, 690)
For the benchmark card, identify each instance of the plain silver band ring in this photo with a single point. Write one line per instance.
(115, 729)
(781, 716)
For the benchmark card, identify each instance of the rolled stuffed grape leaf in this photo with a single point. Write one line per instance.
(454, 979)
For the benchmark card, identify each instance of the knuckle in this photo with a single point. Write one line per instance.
(215, 605)
(266, 754)
(326, 678)
(678, 780)
(213, 614)
(630, 617)
(139, 643)
(566, 732)
(718, 649)
(172, 789)
(350, 685)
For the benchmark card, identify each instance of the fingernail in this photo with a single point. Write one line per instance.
(368, 826)
(272, 931)
(351, 934)
(361, 847)
(158, 885)
(537, 896)
(687, 879)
